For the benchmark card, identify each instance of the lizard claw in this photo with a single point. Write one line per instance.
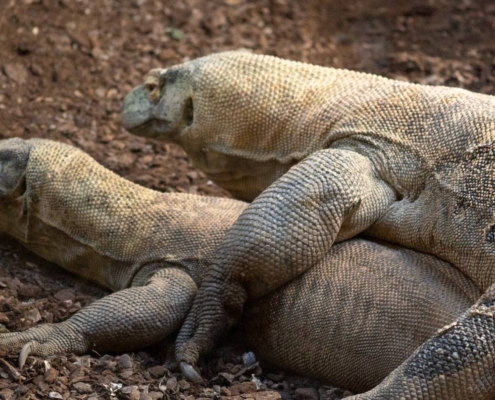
(26, 350)
(189, 372)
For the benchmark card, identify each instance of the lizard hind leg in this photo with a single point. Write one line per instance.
(123, 321)
(330, 196)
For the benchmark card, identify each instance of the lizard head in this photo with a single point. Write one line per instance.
(14, 157)
(161, 107)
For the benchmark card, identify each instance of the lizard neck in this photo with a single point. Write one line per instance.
(255, 117)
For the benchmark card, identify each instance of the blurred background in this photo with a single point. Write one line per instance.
(65, 65)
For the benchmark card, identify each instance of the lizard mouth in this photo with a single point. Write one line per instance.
(150, 128)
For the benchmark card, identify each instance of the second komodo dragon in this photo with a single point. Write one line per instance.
(352, 319)
(326, 154)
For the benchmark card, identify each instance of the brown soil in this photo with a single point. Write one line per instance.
(65, 67)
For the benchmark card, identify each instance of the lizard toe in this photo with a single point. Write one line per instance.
(15, 340)
(190, 373)
(44, 340)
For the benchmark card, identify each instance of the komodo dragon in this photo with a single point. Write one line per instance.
(325, 154)
(154, 248)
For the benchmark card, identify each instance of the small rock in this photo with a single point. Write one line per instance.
(50, 376)
(176, 34)
(145, 396)
(241, 388)
(131, 392)
(172, 383)
(100, 92)
(330, 393)
(65, 294)
(225, 392)
(33, 315)
(156, 395)
(184, 385)
(136, 145)
(157, 371)
(126, 374)
(83, 388)
(248, 359)
(55, 395)
(268, 395)
(3, 318)
(226, 377)
(21, 390)
(306, 394)
(276, 377)
(208, 393)
(125, 361)
(17, 72)
(104, 360)
(168, 54)
(6, 394)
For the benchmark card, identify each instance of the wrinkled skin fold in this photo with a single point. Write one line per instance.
(323, 154)
(397, 297)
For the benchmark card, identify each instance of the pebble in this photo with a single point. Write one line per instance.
(83, 388)
(33, 315)
(22, 389)
(6, 394)
(51, 375)
(242, 388)
(17, 72)
(131, 392)
(157, 371)
(184, 385)
(125, 361)
(306, 394)
(172, 383)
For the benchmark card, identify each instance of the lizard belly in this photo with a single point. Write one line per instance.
(76, 257)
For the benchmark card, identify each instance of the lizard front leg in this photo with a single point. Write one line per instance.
(126, 320)
(456, 364)
(332, 195)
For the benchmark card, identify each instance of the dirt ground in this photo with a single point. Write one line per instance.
(65, 66)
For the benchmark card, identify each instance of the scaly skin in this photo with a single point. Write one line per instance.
(357, 315)
(325, 154)
(61, 204)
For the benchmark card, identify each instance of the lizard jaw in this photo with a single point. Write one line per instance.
(142, 117)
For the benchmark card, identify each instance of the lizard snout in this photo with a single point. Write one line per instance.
(14, 157)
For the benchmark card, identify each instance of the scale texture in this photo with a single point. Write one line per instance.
(323, 154)
(352, 319)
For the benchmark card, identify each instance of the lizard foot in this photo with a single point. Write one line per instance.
(123, 321)
(45, 340)
(209, 318)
